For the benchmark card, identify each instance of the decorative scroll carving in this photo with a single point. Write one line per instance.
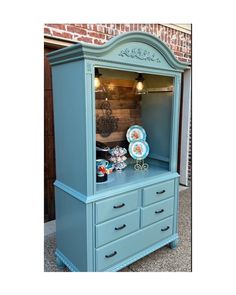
(139, 53)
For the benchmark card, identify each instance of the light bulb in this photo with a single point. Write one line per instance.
(139, 86)
(97, 82)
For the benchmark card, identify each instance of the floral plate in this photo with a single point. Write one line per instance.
(135, 132)
(139, 149)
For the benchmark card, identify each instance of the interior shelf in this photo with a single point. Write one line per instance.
(130, 176)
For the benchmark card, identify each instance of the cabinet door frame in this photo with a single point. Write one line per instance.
(185, 128)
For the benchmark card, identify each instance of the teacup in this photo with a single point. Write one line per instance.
(101, 166)
(109, 168)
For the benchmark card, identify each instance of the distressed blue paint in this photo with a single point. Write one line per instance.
(110, 51)
(132, 177)
(133, 243)
(156, 107)
(158, 192)
(157, 211)
(109, 231)
(174, 244)
(143, 253)
(116, 206)
(68, 93)
(175, 125)
(176, 205)
(90, 236)
(85, 215)
(115, 190)
(71, 229)
(61, 260)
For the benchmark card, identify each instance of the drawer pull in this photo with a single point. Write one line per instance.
(159, 211)
(121, 227)
(161, 192)
(111, 255)
(119, 206)
(166, 228)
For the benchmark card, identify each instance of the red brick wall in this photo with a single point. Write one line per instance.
(178, 42)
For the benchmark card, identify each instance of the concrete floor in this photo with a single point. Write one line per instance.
(162, 260)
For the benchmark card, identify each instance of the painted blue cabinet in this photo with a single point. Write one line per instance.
(106, 226)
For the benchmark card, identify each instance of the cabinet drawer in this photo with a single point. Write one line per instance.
(156, 212)
(117, 228)
(116, 206)
(125, 247)
(158, 192)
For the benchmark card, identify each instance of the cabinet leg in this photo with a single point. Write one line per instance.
(59, 262)
(174, 244)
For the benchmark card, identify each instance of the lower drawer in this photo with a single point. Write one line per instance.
(117, 228)
(125, 247)
(156, 212)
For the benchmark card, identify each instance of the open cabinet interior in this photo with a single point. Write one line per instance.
(151, 110)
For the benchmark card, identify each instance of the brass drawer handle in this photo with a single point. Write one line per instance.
(160, 211)
(166, 228)
(161, 192)
(111, 255)
(121, 227)
(119, 206)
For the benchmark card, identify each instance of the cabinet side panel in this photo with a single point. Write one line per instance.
(175, 125)
(70, 131)
(176, 206)
(156, 119)
(71, 229)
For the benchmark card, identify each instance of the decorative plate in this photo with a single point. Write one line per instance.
(139, 149)
(135, 132)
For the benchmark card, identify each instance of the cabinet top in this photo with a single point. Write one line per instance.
(133, 48)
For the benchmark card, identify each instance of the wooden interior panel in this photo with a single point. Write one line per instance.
(118, 82)
(48, 113)
(49, 146)
(119, 103)
(125, 105)
(47, 71)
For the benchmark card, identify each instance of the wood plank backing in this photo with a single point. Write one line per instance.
(118, 82)
(125, 105)
(119, 103)
(123, 93)
(114, 136)
(48, 113)
(123, 143)
(124, 124)
(49, 146)
(122, 113)
(47, 71)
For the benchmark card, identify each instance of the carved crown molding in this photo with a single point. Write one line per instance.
(151, 56)
(139, 53)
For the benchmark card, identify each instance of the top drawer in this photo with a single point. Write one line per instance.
(116, 206)
(158, 192)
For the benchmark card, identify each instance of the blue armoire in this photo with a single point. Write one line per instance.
(107, 226)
